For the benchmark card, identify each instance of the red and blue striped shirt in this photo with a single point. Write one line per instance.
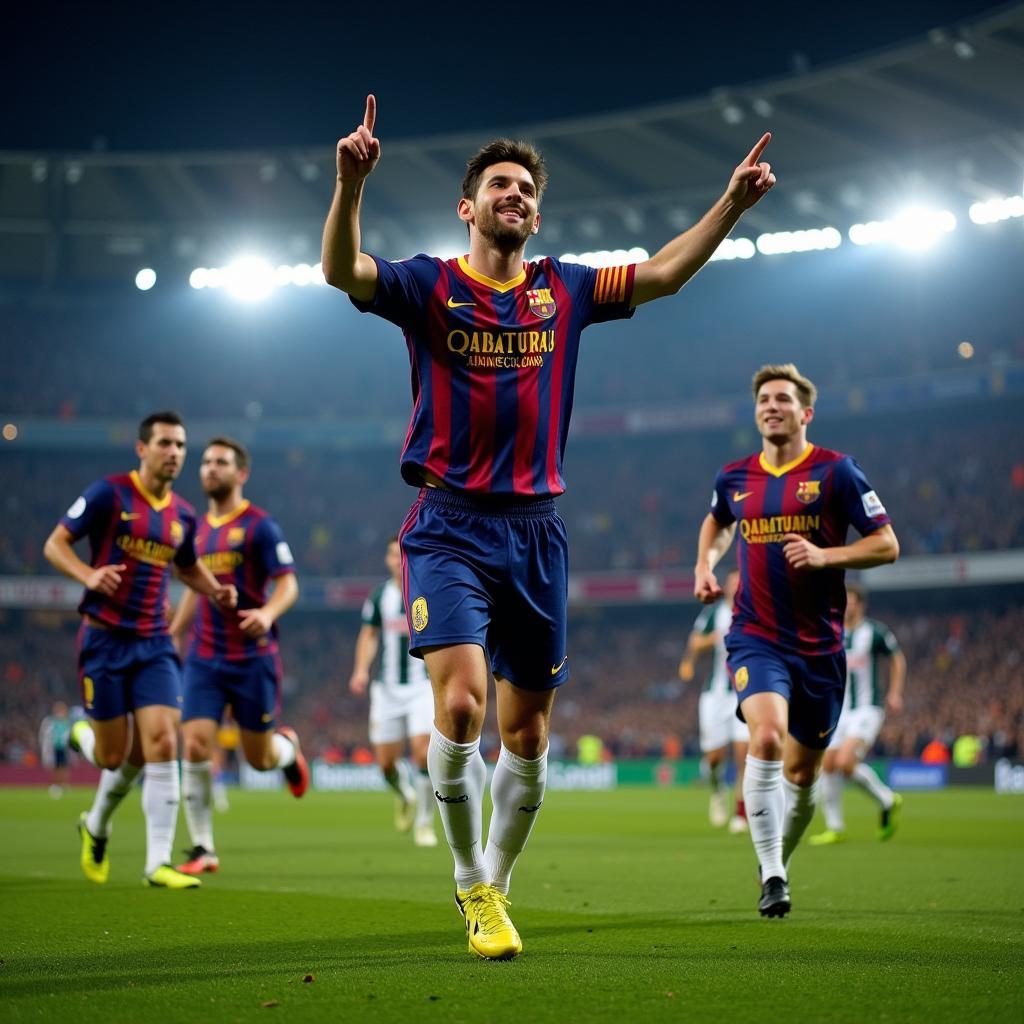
(494, 365)
(127, 524)
(247, 548)
(818, 496)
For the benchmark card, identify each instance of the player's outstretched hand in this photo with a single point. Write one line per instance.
(255, 622)
(359, 152)
(705, 586)
(225, 596)
(359, 682)
(752, 179)
(106, 579)
(801, 553)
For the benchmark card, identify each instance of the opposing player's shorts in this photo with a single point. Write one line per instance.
(252, 687)
(489, 572)
(813, 686)
(719, 725)
(60, 757)
(862, 724)
(395, 717)
(119, 672)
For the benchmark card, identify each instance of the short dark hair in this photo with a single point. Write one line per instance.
(242, 459)
(393, 539)
(168, 416)
(502, 151)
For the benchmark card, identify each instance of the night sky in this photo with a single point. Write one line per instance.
(178, 76)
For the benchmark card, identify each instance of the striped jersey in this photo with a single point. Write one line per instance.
(247, 548)
(714, 620)
(493, 365)
(866, 644)
(818, 495)
(384, 610)
(127, 524)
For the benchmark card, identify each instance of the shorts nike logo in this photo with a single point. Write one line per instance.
(452, 304)
(555, 669)
(131, 515)
(740, 495)
(822, 735)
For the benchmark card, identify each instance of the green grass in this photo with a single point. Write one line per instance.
(630, 907)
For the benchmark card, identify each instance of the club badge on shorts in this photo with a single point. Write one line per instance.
(420, 616)
(741, 678)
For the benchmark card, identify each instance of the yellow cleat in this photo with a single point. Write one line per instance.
(827, 838)
(95, 863)
(492, 936)
(166, 877)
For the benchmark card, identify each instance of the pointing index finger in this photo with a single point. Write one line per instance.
(371, 113)
(755, 153)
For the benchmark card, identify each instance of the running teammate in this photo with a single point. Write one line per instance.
(493, 343)
(401, 702)
(868, 643)
(792, 505)
(232, 655)
(137, 529)
(719, 726)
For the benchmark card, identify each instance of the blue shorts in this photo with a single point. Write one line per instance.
(119, 672)
(490, 572)
(813, 686)
(251, 686)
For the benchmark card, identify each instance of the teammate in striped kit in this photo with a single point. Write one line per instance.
(233, 656)
(719, 726)
(493, 343)
(401, 702)
(137, 529)
(792, 505)
(867, 643)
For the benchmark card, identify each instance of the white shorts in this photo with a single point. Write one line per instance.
(863, 724)
(395, 719)
(719, 725)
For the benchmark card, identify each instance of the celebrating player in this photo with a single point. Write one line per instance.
(401, 703)
(233, 655)
(493, 343)
(137, 528)
(719, 725)
(867, 641)
(792, 505)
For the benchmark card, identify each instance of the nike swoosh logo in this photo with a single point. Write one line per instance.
(740, 495)
(822, 735)
(452, 304)
(126, 516)
(555, 669)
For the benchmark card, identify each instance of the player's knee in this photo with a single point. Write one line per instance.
(263, 760)
(463, 709)
(196, 749)
(528, 740)
(106, 759)
(160, 748)
(801, 775)
(766, 741)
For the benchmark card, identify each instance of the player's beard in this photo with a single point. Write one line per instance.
(219, 492)
(506, 238)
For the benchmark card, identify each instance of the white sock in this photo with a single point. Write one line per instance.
(113, 788)
(765, 801)
(517, 792)
(398, 779)
(161, 795)
(800, 804)
(86, 740)
(832, 798)
(283, 749)
(458, 774)
(715, 776)
(866, 777)
(424, 799)
(197, 792)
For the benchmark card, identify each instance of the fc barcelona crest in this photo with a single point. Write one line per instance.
(236, 535)
(542, 302)
(808, 491)
(177, 532)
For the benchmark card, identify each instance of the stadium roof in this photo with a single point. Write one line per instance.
(938, 121)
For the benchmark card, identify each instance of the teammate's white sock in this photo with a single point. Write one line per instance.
(284, 750)
(398, 779)
(86, 740)
(800, 804)
(197, 792)
(161, 795)
(866, 777)
(832, 799)
(765, 801)
(457, 774)
(113, 788)
(517, 792)
(424, 799)
(716, 776)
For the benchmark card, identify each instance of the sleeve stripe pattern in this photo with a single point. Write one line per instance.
(610, 284)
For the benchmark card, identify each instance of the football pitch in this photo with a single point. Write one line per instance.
(631, 909)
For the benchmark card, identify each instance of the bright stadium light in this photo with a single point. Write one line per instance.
(198, 278)
(606, 257)
(915, 228)
(778, 243)
(734, 249)
(996, 210)
(145, 279)
(249, 279)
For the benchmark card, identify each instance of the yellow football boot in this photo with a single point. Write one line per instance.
(95, 863)
(166, 877)
(827, 838)
(492, 936)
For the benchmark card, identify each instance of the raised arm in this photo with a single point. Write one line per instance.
(345, 266)
(712, 543)
(675, 263)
